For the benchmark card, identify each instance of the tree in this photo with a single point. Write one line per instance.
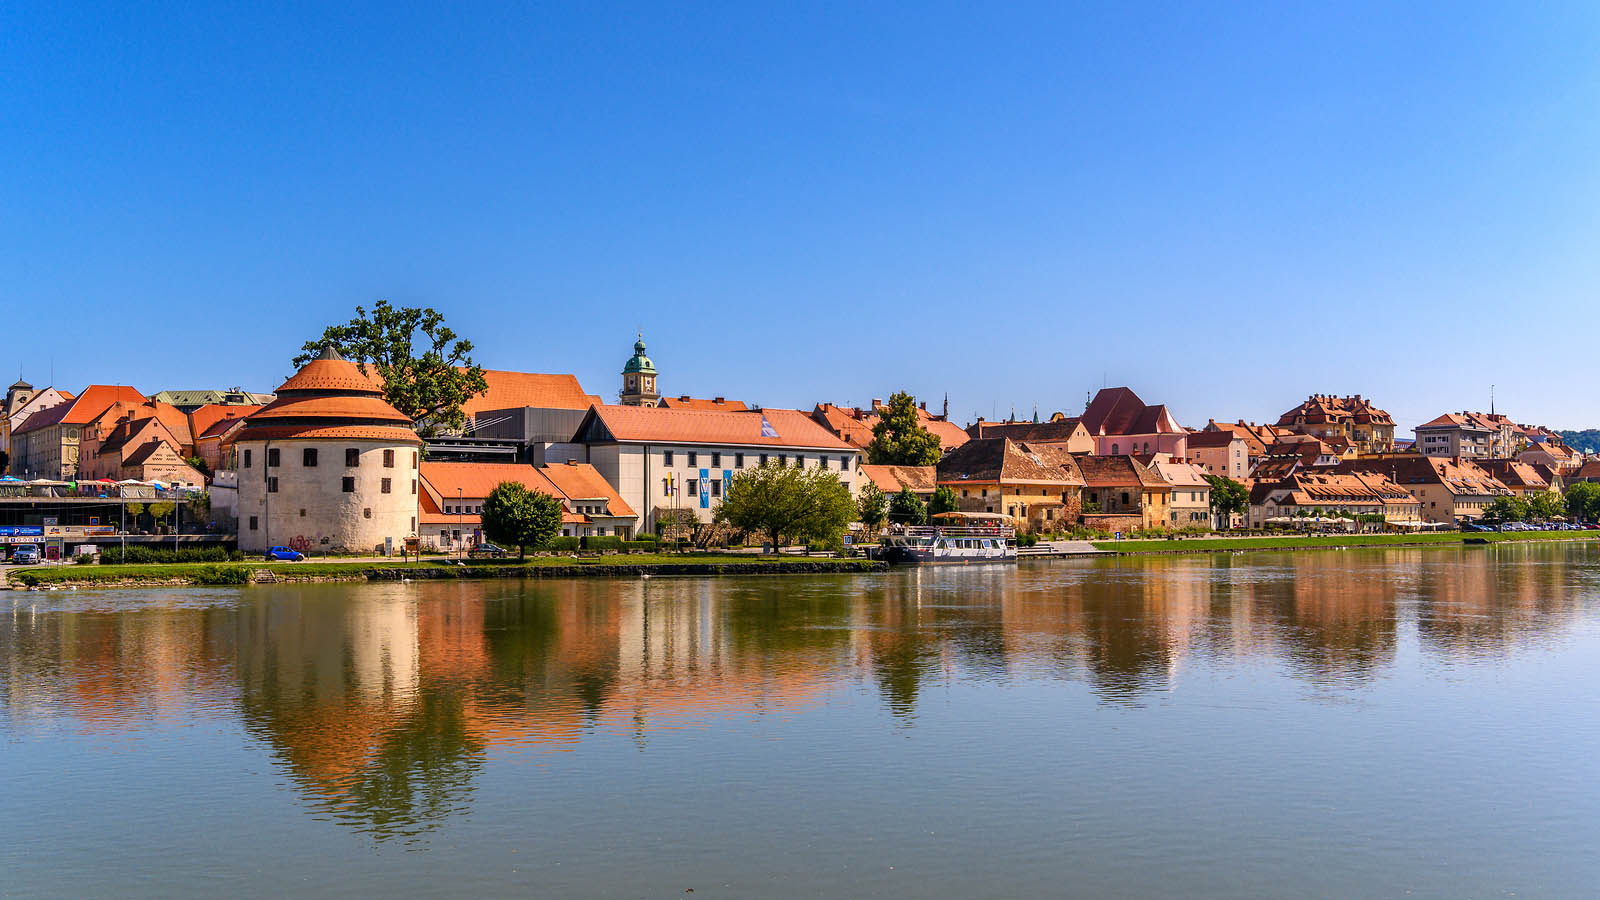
(161, 510)
(430, 387)
(512, 514)
(906, 509)
(1547, 505)
(1507, 509)
(1583, 501)
(872, 507)
(898, 438)
(783, 502)
(942, 501)
(1227, 498)
(199, 465)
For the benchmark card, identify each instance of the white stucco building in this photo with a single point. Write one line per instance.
(664, 459)
(328, 465)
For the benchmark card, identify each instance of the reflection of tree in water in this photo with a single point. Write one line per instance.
(1127, 640)
(547, 644)
(421, 773)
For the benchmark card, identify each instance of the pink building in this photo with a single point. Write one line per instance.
(1123, 425)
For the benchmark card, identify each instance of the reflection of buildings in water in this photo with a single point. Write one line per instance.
(112, 672)
(1338, 619)
(1486, 601)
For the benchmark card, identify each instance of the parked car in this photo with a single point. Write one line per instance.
(284, 554)
(1473, 526)
(486, 551)
(25, 554)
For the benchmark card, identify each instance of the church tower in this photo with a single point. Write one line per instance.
(639, 379)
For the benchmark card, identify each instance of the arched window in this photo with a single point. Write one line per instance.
(1114, 450)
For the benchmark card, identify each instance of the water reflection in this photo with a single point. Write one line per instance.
(383, 703)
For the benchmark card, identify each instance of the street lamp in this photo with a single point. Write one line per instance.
(459, 525)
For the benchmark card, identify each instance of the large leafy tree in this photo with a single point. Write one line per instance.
(907, 509)
(872, 507)
(427, 371)
(1547, 505)
(1583, 501)
(1227, 497)
(514, 515)
(788, 503)
(1507, 509)
(898, 438)
(942, 501)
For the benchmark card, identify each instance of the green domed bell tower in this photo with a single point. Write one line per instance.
(639, 379)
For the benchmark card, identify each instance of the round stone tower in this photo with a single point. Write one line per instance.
(328, 465)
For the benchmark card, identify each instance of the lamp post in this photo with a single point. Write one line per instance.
(459, 525)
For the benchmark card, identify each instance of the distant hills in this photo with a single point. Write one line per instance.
(1586, 441)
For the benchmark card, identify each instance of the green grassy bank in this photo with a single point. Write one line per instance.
(542, 566)
(1224, 544)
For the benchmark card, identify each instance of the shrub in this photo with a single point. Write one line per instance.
(137, 555)
(85, 559)
(222, 575)
(602, 542)
(640, 546)
(561, 543)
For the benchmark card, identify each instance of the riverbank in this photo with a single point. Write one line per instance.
(1335, 542)
(620, 566)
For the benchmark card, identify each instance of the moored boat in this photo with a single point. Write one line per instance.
(949, 545)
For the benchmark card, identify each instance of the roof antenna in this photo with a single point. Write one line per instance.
(1491, 399)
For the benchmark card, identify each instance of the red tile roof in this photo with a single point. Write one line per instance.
(511, 390)
(329, 399)
(476, 481)
(893, 479)
(204, 418)
(766, 427)
(687, 402)
(1118, 410)
(1004, 461)
(581, 481)
(84, 408)
(1118, 471)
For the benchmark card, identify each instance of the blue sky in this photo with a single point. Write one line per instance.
(1225, 207)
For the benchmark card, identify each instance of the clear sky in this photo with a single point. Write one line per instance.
(1224, 206)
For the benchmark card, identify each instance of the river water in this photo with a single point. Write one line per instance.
(1364, 723)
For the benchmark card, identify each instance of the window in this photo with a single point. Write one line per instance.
(694, 459)
(247, 459)
(413, 459)
(272, 484)
(763, 459)
(822, 462)
(308, 457)
(783, 459)
(272, 458)
(413, 485)
(352, 457)
(1113, 449)
(694, 486)
(366, 513)
(349, 484)
(302, 513)
(844, 463)
(1124, 498)
(253, 523)
(666, 487)
(716, 487)
(716, 460)
(386, 485)
(388, 459)
(413, 524)
(738, 460)
(666, 457)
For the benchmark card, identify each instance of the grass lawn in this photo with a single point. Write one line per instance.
(1200, 545)
(238, 572)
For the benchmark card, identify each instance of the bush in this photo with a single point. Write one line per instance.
(561, 543)
(222, 575)
(640, 546)
(85, 559)
(602, 542)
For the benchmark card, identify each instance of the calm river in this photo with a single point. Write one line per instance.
(1365, 723)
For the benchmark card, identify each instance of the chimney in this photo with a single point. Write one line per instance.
(877, 402)
(572, 462)
(720, 400)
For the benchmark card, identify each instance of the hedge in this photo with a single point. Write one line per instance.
(560, 543)
(602, 542)
(111, 556)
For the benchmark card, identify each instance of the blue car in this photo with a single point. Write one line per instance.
(284, 554)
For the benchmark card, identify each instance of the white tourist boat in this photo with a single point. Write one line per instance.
(949, 544)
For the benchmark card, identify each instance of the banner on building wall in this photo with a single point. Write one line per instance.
(705, 488)
(727, 479)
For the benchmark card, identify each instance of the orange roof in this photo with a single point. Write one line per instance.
(329, 398)
(892, 479)
(85, 408)
(687, 402)
(476, 481)
(581, 481)
(757, 427)
(509, 390)
(204, 418)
